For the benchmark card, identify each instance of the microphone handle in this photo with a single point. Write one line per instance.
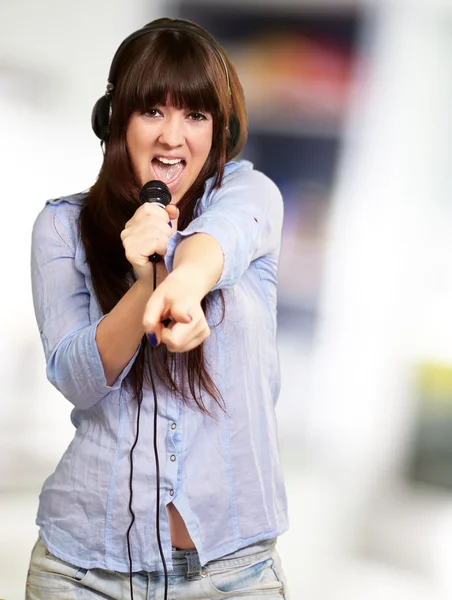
(155, 258)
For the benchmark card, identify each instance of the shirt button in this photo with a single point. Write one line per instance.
(173, 426)
(171, 492)
(172, 457)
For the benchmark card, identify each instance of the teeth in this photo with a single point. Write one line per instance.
(169, 161)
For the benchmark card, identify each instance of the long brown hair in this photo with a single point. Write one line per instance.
(162, 66)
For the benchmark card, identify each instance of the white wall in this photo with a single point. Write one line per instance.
(54, 62)
(386, 300)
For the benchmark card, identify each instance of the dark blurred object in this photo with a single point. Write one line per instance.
(297, 64)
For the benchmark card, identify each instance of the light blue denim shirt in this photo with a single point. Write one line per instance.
(223, 474)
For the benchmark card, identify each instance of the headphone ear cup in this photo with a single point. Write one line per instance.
(234, 133)
(100, 118)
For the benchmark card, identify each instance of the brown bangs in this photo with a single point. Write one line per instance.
(180, 73)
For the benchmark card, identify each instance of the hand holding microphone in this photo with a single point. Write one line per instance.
(156, 192)
(145, 237)
(173, 315)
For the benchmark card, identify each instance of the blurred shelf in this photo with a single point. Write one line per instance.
(247, 19)
(296, 61)
(297, 127)
(298, 6)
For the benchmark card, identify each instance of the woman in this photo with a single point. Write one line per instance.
(181, 490)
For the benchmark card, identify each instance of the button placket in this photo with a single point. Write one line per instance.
(173, 448)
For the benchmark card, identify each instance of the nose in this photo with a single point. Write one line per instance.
(172, 132)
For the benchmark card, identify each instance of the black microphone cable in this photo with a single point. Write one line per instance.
(153, 191)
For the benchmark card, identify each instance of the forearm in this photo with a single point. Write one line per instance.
(195, 269)
(199, 258)
(119, 334)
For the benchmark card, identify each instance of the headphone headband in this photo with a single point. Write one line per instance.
(171, 27)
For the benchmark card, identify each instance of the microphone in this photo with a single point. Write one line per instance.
(157, 192)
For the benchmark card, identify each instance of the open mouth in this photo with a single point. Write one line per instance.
(168, 170)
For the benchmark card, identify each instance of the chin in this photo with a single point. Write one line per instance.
(175, 197)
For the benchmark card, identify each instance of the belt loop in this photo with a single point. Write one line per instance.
(80, 574)
(193, 565)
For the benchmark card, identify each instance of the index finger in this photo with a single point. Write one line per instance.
(154, 314)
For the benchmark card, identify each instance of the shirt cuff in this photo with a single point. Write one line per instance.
(97, 369)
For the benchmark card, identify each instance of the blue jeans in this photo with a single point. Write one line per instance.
(253, 572)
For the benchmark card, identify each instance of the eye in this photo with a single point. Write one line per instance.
(152, 112)
(196, 116)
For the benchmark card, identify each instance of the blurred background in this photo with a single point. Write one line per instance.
(349, 107)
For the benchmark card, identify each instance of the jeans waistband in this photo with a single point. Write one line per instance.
(188, 560)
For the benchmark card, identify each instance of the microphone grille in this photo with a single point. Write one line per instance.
(155, 191)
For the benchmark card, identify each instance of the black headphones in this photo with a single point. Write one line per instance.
(101, 114)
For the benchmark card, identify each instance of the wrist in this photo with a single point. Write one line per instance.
(144, 282)
(192, 278)
(199, 258)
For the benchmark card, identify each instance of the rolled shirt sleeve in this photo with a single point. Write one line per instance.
(245, 217)
(62, 307)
